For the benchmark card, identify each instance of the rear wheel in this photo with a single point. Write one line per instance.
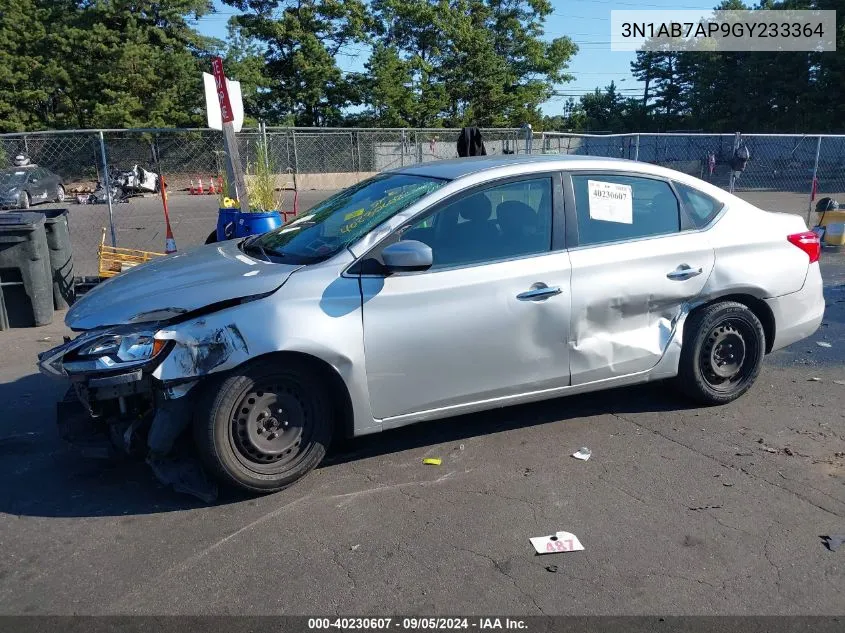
(60, 193)
(264, 426)
(722, 354)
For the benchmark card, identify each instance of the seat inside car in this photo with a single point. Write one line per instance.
(521, 230)
(466, 232)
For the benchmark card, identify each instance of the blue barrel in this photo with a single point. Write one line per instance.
(232, 223)
(227, 221)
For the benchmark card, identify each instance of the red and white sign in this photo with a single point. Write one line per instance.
(223, 100)
(222, 90)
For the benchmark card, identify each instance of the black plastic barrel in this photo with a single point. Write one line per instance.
(61, 257)
(25, 269)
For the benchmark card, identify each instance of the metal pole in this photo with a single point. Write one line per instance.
(358, 148)
(266, 147)
(813, 183)
(637, 149)
(295, 154)
(733, 154)
(107, 183)
(402, 150)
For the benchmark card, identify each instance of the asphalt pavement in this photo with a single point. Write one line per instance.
(681, 510)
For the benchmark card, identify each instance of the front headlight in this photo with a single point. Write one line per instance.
(114, 350)
(123, 348)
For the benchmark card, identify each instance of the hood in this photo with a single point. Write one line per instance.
(169, 286)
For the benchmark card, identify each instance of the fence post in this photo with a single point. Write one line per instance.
(358, 148)
(813, 182)
(402, 150)
(295, 153)
(733, 153)
(637, 148)
(107, 184)
(266, 147)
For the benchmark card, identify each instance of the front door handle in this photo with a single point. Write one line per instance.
(539, 292)
(684, 272)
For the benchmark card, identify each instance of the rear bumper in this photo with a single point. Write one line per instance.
(798, 314)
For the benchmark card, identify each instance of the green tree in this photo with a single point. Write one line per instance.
(481, 62)
(100, 63)
(301, 43)
(604, 110)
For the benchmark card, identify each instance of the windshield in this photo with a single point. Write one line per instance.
(10, 178)
(342, 219)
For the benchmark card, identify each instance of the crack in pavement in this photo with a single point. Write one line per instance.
(497, 566)
(335, 556)
(493, 493)
(734, 467)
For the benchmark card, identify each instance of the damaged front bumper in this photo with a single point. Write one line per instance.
(111, 412)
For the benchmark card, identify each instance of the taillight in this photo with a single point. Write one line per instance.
(807, 242)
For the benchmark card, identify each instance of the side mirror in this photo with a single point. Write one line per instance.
(407, 256)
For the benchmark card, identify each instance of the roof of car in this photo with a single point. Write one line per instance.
(459, 167)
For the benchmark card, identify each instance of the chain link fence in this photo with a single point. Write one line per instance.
(779, 174)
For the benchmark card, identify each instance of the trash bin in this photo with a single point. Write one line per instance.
(61, 257)
(25, 269)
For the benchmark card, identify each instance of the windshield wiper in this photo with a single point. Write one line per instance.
(253, 244)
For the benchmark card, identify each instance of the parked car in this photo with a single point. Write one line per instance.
(440, 289)
(21, 187)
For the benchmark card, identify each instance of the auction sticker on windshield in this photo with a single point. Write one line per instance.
(610, 202)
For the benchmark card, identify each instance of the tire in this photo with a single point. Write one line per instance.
(24, 202)
(60, 194)
(246, 444)
(212, 237)
(723, 351)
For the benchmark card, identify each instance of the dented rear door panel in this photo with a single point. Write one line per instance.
(625, 309)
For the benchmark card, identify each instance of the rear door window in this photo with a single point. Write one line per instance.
(613, 207)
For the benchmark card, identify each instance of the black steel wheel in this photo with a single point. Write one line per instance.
(723, 349)
(265, 425)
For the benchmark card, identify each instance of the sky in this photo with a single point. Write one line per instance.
(586, 22)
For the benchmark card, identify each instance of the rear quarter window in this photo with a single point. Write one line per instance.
(700, 207)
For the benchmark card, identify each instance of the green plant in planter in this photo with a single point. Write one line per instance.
(261, 188)
(223, 199)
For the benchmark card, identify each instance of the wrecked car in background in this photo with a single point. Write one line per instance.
(430, 291)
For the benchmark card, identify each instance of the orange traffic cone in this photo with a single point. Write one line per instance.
(199, 189)
(191, 189)
(212, 190)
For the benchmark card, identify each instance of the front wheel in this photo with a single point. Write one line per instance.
(212, 237)
(24, 202)
(264, 426)
(60, 194)
(723, 350)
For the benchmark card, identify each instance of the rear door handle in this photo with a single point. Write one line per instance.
(539, 292)
(684, 272)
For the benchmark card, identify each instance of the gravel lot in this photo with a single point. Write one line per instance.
(681, 510)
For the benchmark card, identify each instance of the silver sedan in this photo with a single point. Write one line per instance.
(435, 290)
